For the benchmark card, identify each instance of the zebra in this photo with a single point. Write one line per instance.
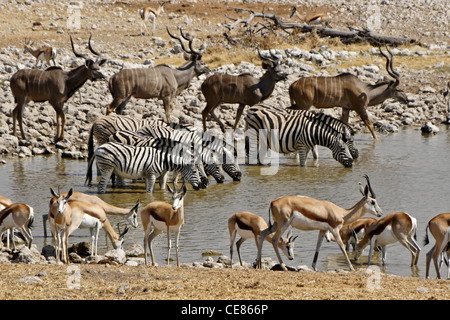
(297, 132)
(140, 162)
(336, 124)
(200, 141)
(209, 162)
(103, 127)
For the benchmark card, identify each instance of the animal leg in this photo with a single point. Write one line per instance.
(275, 239)
(318, 245)
(150, 183)
(177, 235)
(239, 112)
(106, 175)
(339, 241)
(149, 241)
(232, 238)
(169, 245)
(238, 248)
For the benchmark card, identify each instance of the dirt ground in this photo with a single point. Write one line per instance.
(107, 282)
(98, 282)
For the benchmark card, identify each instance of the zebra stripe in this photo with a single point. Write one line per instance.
(341, 127)
(104, 127)
(140, 162)
(209, 161)
(299, 131)
(187, 135)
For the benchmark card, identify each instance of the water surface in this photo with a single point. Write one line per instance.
(408, 172)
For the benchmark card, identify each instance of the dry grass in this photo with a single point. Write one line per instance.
(99, 282)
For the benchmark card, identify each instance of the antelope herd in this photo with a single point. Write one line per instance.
(71, 210)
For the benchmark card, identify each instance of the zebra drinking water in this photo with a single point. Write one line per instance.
(141, 162)
(288, 132)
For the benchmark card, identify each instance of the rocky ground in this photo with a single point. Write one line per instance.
(116, 29)
(115, 26)
(117, 275)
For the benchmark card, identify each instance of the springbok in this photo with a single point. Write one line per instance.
(312, 18)
(65, 217)
(307, 213)
(349, 231)
(19, 216)
(53, 85)
(249, 225)
(346, 91)
(440, 229)
(150, 13)
(164, 217)
(130, 215)
(394, 227)
(43, 54)
(243, 89)
(162, 82)
(4, 202)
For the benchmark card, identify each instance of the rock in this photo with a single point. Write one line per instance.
(28, 255)
(429, 128)
(82, 249)
(136, 250)
(48, 251)
(31, 280)
(122, 289)
(75, 258)
(116, 255)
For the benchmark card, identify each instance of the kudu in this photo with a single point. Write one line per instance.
(53, 85)
(346, 91)
(243, 89)
(162, 82)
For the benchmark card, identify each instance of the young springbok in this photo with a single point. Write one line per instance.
(249, 225)
(43, 54)
(394, 227)
(308, 214)
(66, 216)
(348, 232)
(150, 13)
(164, 217)
(312, 18)
(440, 229)
(19, 216)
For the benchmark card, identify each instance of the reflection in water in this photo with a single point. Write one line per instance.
(407, 171)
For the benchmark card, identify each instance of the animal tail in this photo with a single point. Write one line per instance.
(425, 239)
(89, 171)
(272, 227)
(91, 144)
(30, 221)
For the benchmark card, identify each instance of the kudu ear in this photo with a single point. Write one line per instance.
(266, 65)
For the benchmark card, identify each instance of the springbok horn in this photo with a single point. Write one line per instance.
(370, 187)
